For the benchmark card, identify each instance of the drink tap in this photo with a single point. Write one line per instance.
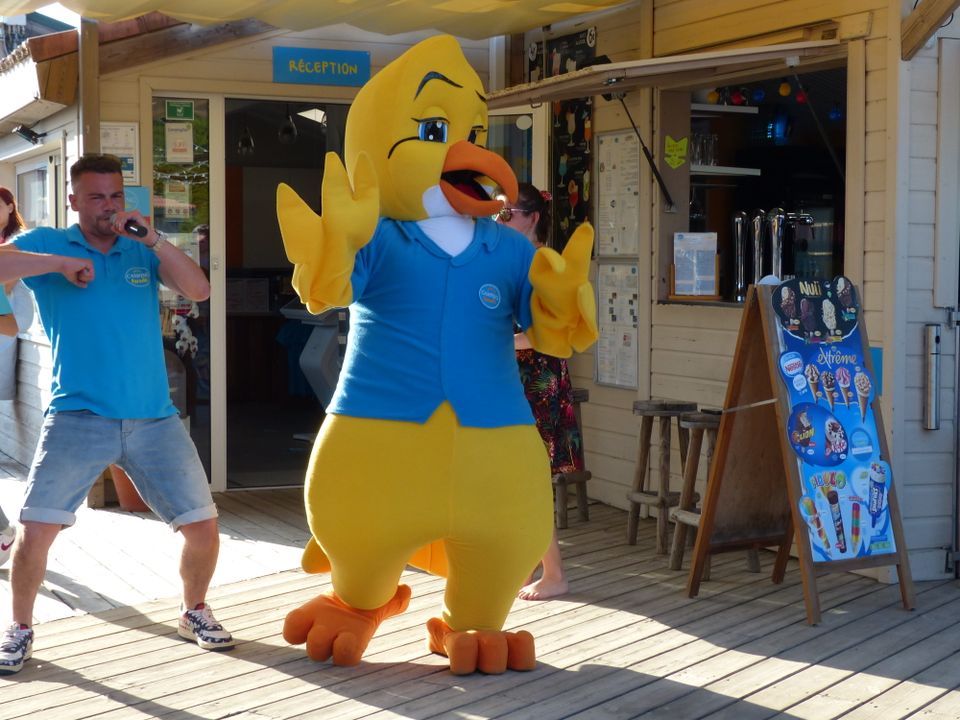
(774, 251)
(756, 242)
(740, 255)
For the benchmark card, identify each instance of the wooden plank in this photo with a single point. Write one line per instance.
(855, 161)
(922, 24)
(856, 675)
(688, 26)
(625, 641)
(785, 652)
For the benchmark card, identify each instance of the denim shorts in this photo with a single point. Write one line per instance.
(157, 454)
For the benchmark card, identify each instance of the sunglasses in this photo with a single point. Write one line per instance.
(506, 214)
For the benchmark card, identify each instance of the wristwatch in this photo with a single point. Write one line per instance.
(158, 243)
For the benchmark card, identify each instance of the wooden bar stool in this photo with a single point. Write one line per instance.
(661, 498)
(577, 478)
(686, 514)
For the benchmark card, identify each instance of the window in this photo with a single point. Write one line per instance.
(33, 198)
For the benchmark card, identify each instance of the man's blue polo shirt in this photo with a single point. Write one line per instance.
(427, 327)
(105, 338)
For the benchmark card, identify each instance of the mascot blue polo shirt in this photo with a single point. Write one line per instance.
(105, 338)
(427, 327)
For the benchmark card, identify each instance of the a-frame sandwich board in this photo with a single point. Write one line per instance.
(778, 473)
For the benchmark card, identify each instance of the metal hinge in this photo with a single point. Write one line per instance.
(953, 317)
(950, 560)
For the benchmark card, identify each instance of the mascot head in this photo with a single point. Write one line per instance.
(422, 120)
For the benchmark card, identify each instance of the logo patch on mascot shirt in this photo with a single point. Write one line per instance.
(137, 276)
(490, 296)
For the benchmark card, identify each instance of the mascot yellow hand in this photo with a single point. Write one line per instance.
(563, 305)
(322, 248)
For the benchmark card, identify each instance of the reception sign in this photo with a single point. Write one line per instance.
(316, 66)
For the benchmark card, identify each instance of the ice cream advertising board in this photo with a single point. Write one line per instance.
(831, 426)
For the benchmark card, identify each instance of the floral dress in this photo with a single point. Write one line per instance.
(546, 383)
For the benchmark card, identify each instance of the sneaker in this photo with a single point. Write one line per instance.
(201, 626)
(6, 543)
(16, 647)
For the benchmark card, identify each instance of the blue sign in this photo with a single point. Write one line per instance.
(315, 66)
(832, 427)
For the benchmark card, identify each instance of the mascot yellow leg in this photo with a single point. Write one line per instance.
(378, 491)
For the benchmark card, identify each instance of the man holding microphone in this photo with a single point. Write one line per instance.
(96, 286)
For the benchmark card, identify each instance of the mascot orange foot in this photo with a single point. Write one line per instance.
(489, 651)
(330, 627)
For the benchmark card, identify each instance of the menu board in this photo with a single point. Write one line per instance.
(617, 304)
(618, 194)
(831, 426)
(571, 136)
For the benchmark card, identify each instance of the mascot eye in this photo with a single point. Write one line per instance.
(433, 130)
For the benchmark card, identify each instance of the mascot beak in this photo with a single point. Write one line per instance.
(463, 165)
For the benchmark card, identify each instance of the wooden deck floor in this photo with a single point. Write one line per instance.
(626, 642)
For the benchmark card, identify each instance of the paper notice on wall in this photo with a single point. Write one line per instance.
(618, 203)
(122, 140)
(179, 142)
(617, 305)
(176, 200)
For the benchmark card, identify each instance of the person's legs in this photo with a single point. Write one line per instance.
(163, 464)
(29, 566)
(553, 581)
(73, 449)
(198, 561)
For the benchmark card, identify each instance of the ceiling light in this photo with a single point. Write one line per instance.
(315, 114)
(245, 143)
(287, 134)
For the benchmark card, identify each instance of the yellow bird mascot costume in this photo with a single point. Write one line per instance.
(428, 454)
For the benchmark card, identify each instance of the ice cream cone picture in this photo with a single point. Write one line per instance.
(829, 385)
(813, 379)
(861, 381)
(843, 385)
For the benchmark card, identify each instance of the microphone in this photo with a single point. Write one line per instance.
(135, 228)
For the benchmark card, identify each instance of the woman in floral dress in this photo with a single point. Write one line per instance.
(546, 382)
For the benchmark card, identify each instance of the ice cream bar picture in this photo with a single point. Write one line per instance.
(855, 527)
(810, 510)
(788, 302)
(834, 499)
(877, 492)
(829, 317)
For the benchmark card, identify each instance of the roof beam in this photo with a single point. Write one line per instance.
(920, 25)
(174, 40)
(150, 37)
(89, 43)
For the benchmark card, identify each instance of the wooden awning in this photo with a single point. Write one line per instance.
(41, 76)
(34, 90)
(694, 70)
